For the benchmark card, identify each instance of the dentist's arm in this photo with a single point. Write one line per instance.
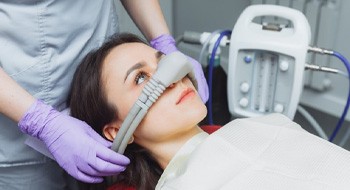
(149, 18)
(86, 158)
(14, 99)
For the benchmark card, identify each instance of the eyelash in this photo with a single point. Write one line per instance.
(139, 75)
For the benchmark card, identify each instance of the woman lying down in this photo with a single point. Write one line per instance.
(169, 150)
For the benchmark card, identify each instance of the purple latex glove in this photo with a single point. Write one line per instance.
(166, 44)
(76, 147)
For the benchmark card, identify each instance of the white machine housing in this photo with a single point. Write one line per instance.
(266, 67)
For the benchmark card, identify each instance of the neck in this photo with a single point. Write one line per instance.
(163, 152)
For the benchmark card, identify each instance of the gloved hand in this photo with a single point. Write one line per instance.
(166, 44)
(76, 147)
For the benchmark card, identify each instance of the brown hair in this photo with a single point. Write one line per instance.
(87, 101)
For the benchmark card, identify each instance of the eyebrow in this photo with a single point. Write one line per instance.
(134, 67)
(158, 55)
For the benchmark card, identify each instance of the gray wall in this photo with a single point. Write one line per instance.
(206, 15)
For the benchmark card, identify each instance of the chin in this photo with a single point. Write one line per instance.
(204, 114)
(198, 113)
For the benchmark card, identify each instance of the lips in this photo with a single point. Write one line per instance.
(184, 95)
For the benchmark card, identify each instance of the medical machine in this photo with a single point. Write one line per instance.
(267, 61)
(171, 68)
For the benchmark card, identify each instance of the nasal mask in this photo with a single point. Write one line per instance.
(171, 68)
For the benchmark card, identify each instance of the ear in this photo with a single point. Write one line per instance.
(110, 131)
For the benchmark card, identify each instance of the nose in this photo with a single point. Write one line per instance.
(172, 85)
(180, 82)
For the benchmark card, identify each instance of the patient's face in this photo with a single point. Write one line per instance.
(126, 70)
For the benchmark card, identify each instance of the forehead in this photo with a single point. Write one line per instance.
(122, 57)
(125, 53)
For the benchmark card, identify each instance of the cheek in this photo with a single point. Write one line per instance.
(165, 118)
(125, 101)
(156, 122)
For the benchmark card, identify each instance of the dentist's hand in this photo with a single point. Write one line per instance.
(166, 44)
(76, 147)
